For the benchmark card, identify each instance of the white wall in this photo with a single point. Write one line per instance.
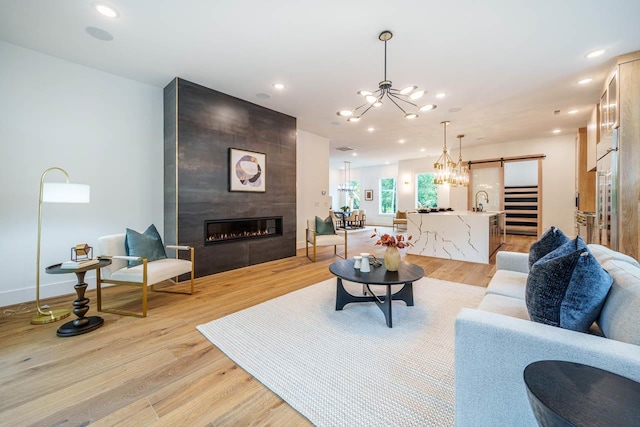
(558, 177)
(104, 130)
(312, 174)
(369, 178)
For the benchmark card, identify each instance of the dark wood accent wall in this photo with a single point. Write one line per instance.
(200, 125)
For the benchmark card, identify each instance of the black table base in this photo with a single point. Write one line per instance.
(383, 302)
(70, 329)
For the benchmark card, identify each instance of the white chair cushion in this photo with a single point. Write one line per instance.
(330, 240)
(157, 271)
(112, 245)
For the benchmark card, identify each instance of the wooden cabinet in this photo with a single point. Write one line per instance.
(585, 179)
(628, 108)
(593, 136)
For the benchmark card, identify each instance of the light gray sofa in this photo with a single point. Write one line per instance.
(496, 341)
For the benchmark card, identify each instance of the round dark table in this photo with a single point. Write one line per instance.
(407, 274)
(571, 394)
(82, 324)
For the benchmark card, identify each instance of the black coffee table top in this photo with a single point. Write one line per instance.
(406, 273)
(581, 395)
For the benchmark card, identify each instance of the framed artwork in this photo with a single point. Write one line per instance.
(247, 171)
(368, 195)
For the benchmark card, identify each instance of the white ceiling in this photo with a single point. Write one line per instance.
(507, 64)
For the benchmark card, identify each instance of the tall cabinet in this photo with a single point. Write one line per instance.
(620, 109)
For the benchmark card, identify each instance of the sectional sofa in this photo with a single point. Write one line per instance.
(497, 340)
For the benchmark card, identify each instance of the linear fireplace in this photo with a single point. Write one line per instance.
(230, 230)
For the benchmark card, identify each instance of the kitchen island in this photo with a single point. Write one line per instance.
(463, 236)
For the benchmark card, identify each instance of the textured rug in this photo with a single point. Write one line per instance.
(347, 368)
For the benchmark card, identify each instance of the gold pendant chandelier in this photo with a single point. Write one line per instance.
(445, 166)
(461, 172)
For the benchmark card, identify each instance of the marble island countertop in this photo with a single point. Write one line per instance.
(459, 235)
(463, 213)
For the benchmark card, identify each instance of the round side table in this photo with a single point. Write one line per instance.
(82, 324)
(571, 394)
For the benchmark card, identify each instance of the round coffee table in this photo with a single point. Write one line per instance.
(407, 274)
(82, 324)
(571, 394)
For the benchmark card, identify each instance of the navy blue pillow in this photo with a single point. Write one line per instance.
(551, 240)
(146, 245)
(567, 287)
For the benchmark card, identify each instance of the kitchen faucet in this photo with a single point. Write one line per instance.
(486, 197)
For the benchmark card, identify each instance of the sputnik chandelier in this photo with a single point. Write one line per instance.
(461, 177)
(445, 166)
(400, 98)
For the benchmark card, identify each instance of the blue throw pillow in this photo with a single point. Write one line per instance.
(146, 245)
(551, 240)
(324, 226)
(567, 287)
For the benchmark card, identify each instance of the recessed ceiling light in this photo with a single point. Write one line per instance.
(354, 154)
(278, 86)
(584, 81)
(401, 141)
(371, 129)
(572, 111)
(336, 123)
(345, 113)
(441, 95)
(99, 34)
(557, 131)
(595, 53)
(263, 95)
(105, 10)
(455, 109)
(422, 150)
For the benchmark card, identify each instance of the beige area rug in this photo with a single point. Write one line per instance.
(347, 368)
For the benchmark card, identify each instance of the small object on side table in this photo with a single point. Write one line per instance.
(567, 394)
(82, 324)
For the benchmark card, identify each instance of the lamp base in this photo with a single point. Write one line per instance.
(41, 319)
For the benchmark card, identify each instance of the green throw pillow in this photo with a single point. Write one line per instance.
(146, 245)
(324, 226)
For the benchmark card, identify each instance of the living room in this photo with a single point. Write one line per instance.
(107, 130)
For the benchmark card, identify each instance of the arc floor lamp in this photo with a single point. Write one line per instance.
(54, 192)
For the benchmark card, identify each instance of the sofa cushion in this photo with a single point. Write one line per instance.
(324, 226)
(508, 283)
(146, 245)
(552, 239)
(507, 306)
(620, 316)
(604, 254)
(567, 287)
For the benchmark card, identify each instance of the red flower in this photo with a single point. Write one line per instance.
(388, 240)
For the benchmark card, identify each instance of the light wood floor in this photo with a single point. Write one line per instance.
(160, 370)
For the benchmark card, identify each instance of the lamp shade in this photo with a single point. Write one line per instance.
(56, 192)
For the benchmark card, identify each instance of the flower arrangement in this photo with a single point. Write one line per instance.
(390, 241)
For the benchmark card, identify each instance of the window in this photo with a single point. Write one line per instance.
(355, 195)
(426, 191)
(388, 196)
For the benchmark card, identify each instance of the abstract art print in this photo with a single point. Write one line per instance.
(247, 170)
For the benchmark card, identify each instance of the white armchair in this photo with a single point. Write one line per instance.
(142, 275)
(314, 239)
